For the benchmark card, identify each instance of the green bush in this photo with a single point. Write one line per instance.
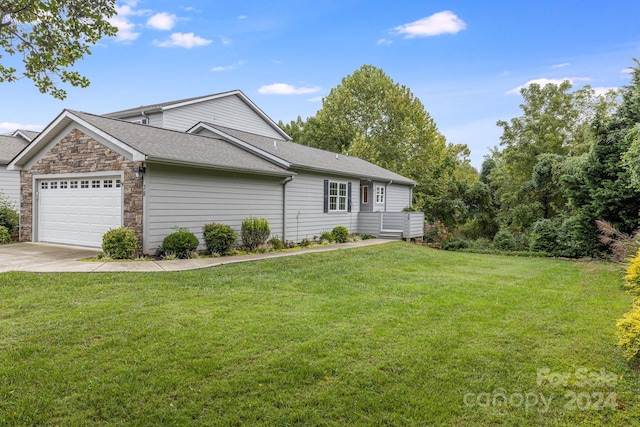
(120, 243)
(276, 243)
(181, 243)
(255, 232)
(340, 234)
(219, 238)
(629, 333)
(632, 275)
(5, 236)
(305, 243)
(9, 217)
(504, 240)
(455, 245)
(327, 237)
(545, 236)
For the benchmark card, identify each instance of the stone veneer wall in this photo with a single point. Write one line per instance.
(79, 153)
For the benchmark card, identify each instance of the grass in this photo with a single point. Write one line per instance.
(395, 334)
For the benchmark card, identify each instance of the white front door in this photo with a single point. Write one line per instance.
(78, 211)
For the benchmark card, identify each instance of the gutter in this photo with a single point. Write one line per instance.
(284, 206)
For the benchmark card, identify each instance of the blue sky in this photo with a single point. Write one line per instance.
(464, 60)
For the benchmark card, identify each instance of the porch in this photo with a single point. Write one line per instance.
(392, 225)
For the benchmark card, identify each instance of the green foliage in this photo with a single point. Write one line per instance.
(340, 234)
(629, 334)
(436, 232)
(49, 37)
(545, 236)
(411, 208)
(276, 243)
(455, 244)
(120, 243)
(327, 236)
(219, 238)
(9, 216)
(5, 236)
(255, 232)
(504, 240)
(181, 243)
(305, 243)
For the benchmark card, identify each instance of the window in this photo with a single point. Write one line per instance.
(54, 185)
(44, 185)
(63, 185)
(118, 183)
(73, 184)
(84, 184)
(337, 196)
(107, 183)
(365, 194)
(95, 183)
(380, 195)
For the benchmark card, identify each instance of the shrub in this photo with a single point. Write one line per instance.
(623, 246)
(180, 243)
(340, 234)
(276, 243)
(632, 275)
(120, 243)
(5, 236)
(305, 243)
(327, 237)
(455, 245)
(629, 333)
(504, 240)
(219, 238)
(255, 231)
(9, 217)
(436, 232)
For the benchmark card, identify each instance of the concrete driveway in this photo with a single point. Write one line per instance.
(40, 257)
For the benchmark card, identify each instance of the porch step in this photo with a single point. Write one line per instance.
(390, 234)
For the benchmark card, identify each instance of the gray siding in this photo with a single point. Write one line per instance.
(398, 197)
(305, 207)
(369, 223)
(228, 111)
(10, 185)
(188, 197)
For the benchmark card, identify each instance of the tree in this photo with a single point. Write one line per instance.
(51, 36)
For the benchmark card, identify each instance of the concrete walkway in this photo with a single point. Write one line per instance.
(48, 258)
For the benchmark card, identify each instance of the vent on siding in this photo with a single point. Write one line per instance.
(140, 122)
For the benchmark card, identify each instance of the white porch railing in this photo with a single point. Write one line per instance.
(406, 224)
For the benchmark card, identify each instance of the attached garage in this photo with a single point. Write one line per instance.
(78, 210)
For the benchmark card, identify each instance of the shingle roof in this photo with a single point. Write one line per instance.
(10, 146)
(304, 157)
(167, 145)
(30, 134)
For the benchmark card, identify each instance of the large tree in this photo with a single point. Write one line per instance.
(369, 116)
(50, 36)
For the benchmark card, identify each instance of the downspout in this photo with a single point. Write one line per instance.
(284, 206)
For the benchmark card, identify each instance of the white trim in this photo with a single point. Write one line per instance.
(338, 197)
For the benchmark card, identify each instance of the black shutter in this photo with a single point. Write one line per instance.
(348, 197)
(326, 195)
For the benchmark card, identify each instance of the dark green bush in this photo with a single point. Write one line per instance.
(326, 236)
(9, 217)
(545, 236)
(219, 238)
(455, 244)
(504, 240)
(255, 232)
(340, 234)
(276, 243)
(305, 243)
(120, 243)
(181, 243)
(436, 232)
(5, 236)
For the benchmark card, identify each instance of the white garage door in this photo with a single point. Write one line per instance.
(78, 211)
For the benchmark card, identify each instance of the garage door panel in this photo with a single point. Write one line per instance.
(78, 214)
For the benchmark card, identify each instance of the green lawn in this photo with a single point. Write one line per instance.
(395, 334)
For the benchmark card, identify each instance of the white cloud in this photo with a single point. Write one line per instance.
(225, 41)
(162, 21)
(445, 22)
(125, 27)
(545, 81)
(600, 91)
(8, 127)
(228, 67)
(384, 42)
(626, 70)
(563, 65)
(286, 89)
(242, 17)
(186, 40)
(315, 99)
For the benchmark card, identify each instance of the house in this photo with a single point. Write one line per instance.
(186, 163)
(10, 146)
